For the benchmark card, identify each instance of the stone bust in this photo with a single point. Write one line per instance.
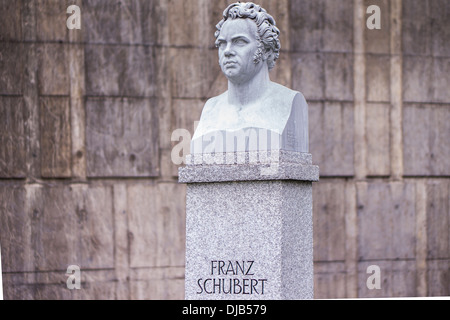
(253, 106)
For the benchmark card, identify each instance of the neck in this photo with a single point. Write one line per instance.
(246, 92)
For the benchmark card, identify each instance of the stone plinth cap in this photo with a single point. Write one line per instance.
(248, 166)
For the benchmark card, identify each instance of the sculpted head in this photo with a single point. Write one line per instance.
(246, 29)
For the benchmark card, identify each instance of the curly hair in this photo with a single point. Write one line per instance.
(268, 33)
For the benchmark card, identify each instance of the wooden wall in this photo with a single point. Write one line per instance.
(86, 118)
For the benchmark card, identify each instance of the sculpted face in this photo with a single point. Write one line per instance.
(238, 45)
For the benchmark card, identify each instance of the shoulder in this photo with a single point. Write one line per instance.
(214, 101)
(285, 95)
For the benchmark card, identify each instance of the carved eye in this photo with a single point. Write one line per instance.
(240, 41)
(221, 44)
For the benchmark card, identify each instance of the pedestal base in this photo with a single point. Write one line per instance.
(248, 239)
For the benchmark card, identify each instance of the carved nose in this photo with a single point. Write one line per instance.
(228, 51)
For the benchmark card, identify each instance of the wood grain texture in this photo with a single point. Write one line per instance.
(121, 137)
(12, 138)
(378, 141)
(386, 221)
(157, 225)
(329, 222)
(331, 137)
(55, 137)
(426, 129)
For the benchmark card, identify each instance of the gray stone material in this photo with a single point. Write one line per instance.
(285, 168)
(253, 210)
(253, 107)
(265, 227)
(253, 157)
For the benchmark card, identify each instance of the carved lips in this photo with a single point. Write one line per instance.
(229, 63)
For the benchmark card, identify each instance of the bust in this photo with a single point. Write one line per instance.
(254, 113)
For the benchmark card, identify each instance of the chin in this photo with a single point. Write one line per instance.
(231, 74)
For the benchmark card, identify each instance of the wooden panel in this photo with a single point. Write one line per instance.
(157, 225)
(331, 137)
(157, 283)
(121, 245)
(441, 80)
(11, 68)
(378, 40)
(12, 138)
(10, 15)
(338, 76)
(120, 70)
(426, 129)
(338, 28)
(121, 137)
(386, 220)
(138, 22)
(438, 220)
(186, 112)
(323, 25)
(55, 137)
(417, 79)
(308, 75)
(378, 140)
(193, 71)
(398, 279)
(53, 69)
(49, 228)
(329, 222)
(95, 285)
(440, 11)
(438, 278)
(329, 280)
(94, 212)
(191, 17)
(128, 22)
(14, 229)
(51, 18)
(101, 21)
(426, 79)
(307, 21)
(378, 76)
(70, 228)
(416, 27)
(144, 222)
(53, 228)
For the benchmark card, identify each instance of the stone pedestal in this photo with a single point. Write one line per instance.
(249, 232)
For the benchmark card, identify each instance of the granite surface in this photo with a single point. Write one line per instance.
(245, 166)
(249, 228)
(263, 224)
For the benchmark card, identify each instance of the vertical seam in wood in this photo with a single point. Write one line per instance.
(396, 115)
(351, 244)
(421, 238)
(359, 76)
(30, 91)
(77, 110)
